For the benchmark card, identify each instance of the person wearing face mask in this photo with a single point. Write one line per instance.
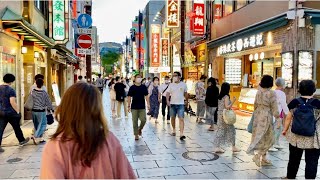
(163, 90)
(200, 96)
(138, 94)
(177, 92)
(154, 97)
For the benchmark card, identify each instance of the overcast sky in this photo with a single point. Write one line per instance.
(113, 18)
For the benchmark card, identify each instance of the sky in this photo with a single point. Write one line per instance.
(113, 18)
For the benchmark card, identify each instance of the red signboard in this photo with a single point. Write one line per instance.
(165, 52)
(84, 41)
(198, 19)
(217, 11)
(173, 9)
(155, 45)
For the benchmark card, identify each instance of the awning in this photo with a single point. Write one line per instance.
(16, 23)
(314, 16)
(70, 58)
(264, 26)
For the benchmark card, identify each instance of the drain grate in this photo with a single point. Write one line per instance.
(201, 156)
(13, 160)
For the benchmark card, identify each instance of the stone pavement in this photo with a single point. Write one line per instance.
(157, 155)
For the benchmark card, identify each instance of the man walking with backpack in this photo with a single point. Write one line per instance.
(304, 131)
(120, 87)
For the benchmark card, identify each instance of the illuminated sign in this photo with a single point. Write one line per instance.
(241, 44)
(155, 45)
(165, 52)
(173, 11)
(58, 20)
(198, 19)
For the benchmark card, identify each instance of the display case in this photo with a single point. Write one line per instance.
(287, 68)
(233, 71)
(305, 65)
(246, 99)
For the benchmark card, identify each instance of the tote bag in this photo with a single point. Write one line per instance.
(229, 116)
(29, 103)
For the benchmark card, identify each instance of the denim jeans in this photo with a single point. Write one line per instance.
(39, 122)
(177, 109)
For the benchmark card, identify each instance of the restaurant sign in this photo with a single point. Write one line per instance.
(165, 52)
(155, 45)
(172, 16)
(241, 44)
(59, 11)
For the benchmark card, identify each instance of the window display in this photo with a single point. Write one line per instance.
(305, 65)
(7, 65)
(287, 64)
(233, 71)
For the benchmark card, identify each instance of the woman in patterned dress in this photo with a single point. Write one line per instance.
(226, 134)
(155, 97)
(265, 108)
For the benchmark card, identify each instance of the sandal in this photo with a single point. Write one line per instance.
(34, 140)
(235, 150)
(266, 162)
(173, 134)
(219, 151)
(256, 159)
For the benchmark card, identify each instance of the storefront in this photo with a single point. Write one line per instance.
(264, 49)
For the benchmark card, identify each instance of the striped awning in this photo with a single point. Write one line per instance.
(19, 25)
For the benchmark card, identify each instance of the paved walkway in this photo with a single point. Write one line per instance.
(158, 155)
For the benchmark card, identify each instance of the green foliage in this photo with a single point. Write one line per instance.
(108, 61)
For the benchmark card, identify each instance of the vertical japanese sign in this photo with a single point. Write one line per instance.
(58, 20)
(217, 9)
(165, 52)
(155, 45)
(198, 19)
(173, 12)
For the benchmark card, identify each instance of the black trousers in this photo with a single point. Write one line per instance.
(164, 106)
(311, 158)
(15, 123)
(216, 116)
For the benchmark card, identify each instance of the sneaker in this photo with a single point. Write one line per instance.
(219, 151)
(278, 147)
(272, 149)
(24, 142)
(182, 138)
(1, 150)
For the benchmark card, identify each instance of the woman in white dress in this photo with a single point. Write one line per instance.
(113, 96)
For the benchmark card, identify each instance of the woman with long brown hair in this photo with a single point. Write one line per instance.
(83, 147)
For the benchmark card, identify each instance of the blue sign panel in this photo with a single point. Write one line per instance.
(84, 21)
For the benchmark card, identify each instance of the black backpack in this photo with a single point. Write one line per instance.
(304, 121)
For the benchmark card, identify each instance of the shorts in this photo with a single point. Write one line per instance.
(177, 109)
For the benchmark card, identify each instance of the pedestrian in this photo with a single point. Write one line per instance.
(80, 79)
(154, 98)
(211, 101)
(226, 134)
(99, 83)
(138, 94)
(34, 86)
(143, 82)
(299, 143)
(112, 96)
(163, 89)
(9, 110)
(200, 97)
(266, 107)
(82, 146)
(148, 82)
(93, 81)
(41, 104)
(119, 88)
(283, 109)
(176, 96)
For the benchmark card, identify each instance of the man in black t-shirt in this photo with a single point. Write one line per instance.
(119, 87)
(138, 94)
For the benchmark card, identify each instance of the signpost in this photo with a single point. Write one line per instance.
(84, 21)
(83, 31)
(84, 41)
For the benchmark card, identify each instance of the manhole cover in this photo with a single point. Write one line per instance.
(14, 160)
(201, 156)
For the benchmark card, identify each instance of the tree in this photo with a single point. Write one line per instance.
(108, 61)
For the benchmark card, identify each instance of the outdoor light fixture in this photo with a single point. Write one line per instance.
(36, 54)
(256, 56)
(250, 57)
(24, 50)
(262, 55)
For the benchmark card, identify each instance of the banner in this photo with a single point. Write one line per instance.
(155, 45)
(172, 13)
(198, 19)
(165, 52)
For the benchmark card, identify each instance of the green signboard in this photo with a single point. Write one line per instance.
(58, 20)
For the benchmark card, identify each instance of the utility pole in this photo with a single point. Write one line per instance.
(295, 49)
(139, 40)
(182, 20)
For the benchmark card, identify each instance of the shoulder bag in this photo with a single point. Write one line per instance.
(229, 116)
(29, 103)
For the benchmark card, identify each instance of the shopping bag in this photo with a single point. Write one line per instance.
(29, 103)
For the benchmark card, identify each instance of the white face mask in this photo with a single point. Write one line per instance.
(167, 81)
(175, 79)
(138, 80)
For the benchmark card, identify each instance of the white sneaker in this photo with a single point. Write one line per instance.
(278, 147)
(272, 149)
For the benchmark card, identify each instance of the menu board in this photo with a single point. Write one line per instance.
(233, 71)
(268, 68)
(287, 66)
(305, 66)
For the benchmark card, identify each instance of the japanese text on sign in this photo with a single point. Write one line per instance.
(164, 52)
(241, 44)
(172, 17)
(198, 19)
(58, 20)
(155, 45)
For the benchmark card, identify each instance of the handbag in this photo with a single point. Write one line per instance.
(50, 119)
(29, 103)
(229, 116)
(250, 125)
